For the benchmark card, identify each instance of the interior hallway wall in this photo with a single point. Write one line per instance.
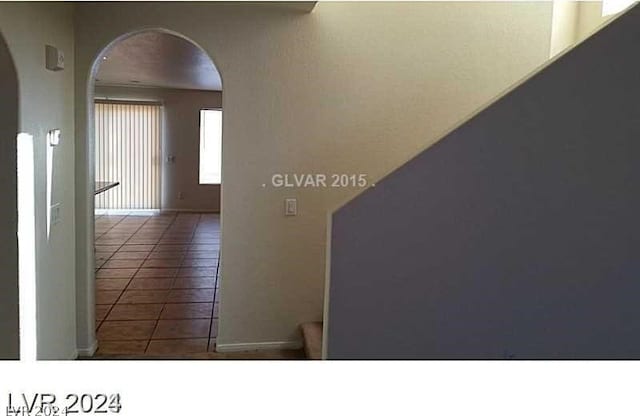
(9, 311)
(181, 138)
(46, 102)
(349, 88)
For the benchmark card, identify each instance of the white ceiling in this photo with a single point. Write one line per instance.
(155, 59)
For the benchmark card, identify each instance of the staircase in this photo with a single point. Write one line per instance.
(312, 335)
(515, 236)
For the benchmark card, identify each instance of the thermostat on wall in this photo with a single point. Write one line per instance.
(55, 58)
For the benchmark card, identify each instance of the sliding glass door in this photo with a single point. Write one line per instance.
(128, 152)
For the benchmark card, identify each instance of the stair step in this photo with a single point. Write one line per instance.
(312, 334)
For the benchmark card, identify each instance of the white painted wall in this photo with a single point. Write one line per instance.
(9, 312)
(349, 88)
(46, 102)
(181, 138)
(564, 26)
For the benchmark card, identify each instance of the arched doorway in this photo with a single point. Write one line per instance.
(156, 261)
(9, 310)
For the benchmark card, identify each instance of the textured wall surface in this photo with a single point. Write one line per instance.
(349, 88)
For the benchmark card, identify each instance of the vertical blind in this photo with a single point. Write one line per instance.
(128, 151)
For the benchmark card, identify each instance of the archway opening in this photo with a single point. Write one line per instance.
(155, 140)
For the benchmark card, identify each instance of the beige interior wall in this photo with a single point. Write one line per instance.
(181, 139)
(349, 88)
(564, 25)
(46, 102)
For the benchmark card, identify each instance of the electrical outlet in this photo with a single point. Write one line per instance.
(290, 207)
(180, 195)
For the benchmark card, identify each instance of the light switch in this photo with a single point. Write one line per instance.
(290, 206)
(55, 214)
(54, 137)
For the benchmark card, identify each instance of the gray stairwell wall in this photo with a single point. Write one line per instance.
(516, 236)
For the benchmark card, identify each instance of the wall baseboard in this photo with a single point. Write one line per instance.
(89, 351)
(253, 346)
(200, 211)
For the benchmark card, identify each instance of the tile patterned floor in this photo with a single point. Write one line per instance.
(156, 284)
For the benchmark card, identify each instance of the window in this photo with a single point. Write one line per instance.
(210, 146)
(610, 7)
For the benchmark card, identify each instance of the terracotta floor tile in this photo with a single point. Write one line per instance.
(190, 295)
(102, 311)
(204, 247)
(111, 241)
(197, 272)
(156, 273)
(195, 283)
(161, 263)
(102, 256)
(182, 328)
(175, 347)
(111, 284)
(151, 250)
(115, 273)
(136, 247)
(186, 311)
(143, 284)
(128, 312)
(121, 347)
(107, 248)
(202, 255)
(130, 255)
(150, 241)
(171, 247)
(200, 263)
(107, 297)
(125, 330)
(122, 264)
(166, 255)
(144, 296)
